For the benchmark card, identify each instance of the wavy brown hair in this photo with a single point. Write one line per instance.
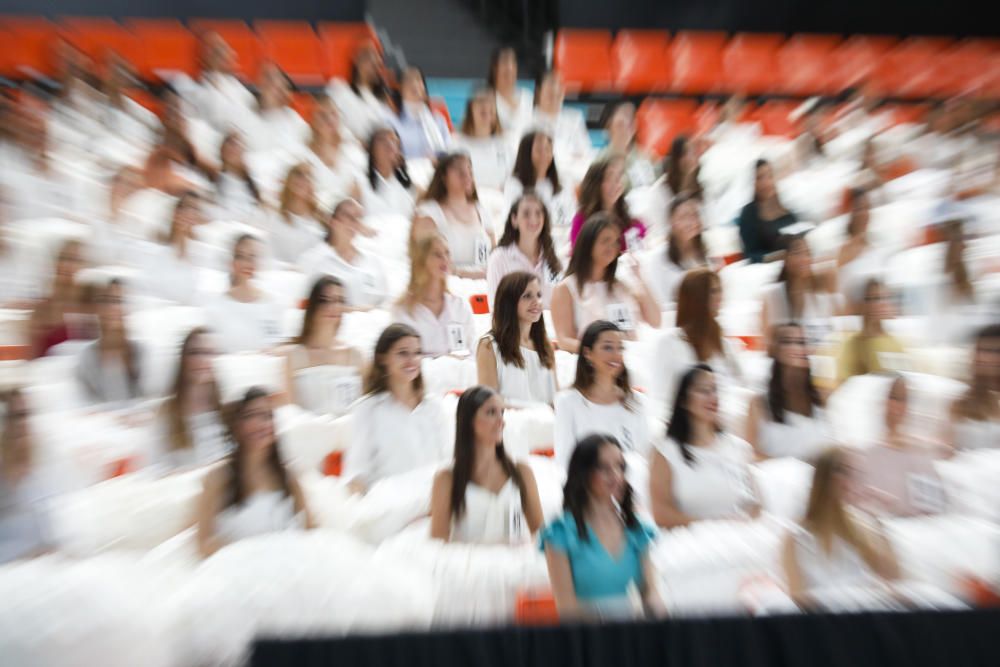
(576, 492)
(693, 317)
(512, 235)
(437, 190)
(468, 122)
(581, 262)
(507, 328)
(284, 200)
(377, 377)
(524, 168)
(420, 252)
(178, 434)
(585, 376)
(590, 193)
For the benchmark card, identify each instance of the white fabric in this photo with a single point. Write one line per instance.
(674, 356)
(515, 117)
(973, 434)
(388, 197)
(577, 417)
(244, 327)
(716, 484)
(491, 518)
(325, 389)
(434, 329)
(571, 145)
(361, 114)
(462, 238)
(492, 158)
(291, 238)
(597, 301)
(798, 437)
(210, 442)
(508, 259)
(363, 279)
(561, 205)
(532, 384)
(262, 512)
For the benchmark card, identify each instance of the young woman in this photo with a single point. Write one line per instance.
(618, 122)
(975, 417)
(515, 357)
(597, 552)
(526, 245)
(857, 260)
(245, 319)
(534, 169)
(175, 166)
(451, 208)
(397, 427)
(483, 139)
(789, 419)
(513, 102)
(388, 188)
(957, 289)
(52, 319)
(685, 250)
(110, 369)
(363, 99)
(590, 290)
(567, 127)
(360, 272)
(443, 320)
(194, 428)
(762, 220)
(254, 494)
(237, 196)
(297, 225)
(603, 191)
(336, 164)
(832, 549)
(699, 472)
(697, 336)
(173, 273)
(218, 94)
(484, 497)
(119, 115)
(323, 373)
(601, 399)
(275, 126)
(871, 349)
(422, 131)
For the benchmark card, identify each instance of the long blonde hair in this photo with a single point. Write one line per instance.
(301, 170)
(420, 278)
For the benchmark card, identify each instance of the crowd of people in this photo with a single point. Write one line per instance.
(207, 281)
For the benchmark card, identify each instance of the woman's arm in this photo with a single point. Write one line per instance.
(666, 514)
(649, 310)
(562, 319)
(651, 599)
(752, 435)
(301, 506)
(441, 506)
(486, 365)
(208, 507)
(530, 501)
(793, 574)
(561, 579)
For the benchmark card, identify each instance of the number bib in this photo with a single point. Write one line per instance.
(621, 315)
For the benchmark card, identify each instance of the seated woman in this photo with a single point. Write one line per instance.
(680, 177)
(858, 261)
(451, 208)
(397, 426)
(870, 350)
(567, 127)
(443, 320)
(601, 399)
(525, 245)
(513, 102)
(423, 132)
(25, 525)
(975, 417)
(483, 139)
(51, 320)
(110, 369)
(603, 191)
(237, 196)
(618, 122)
(762, 220)
(802, 295)
(172, 269)
(174, 166)
(515, 357)
(535, 170)
(388, 188)
(194, 431)
(363, 99)
(253, 493)
(336, 163)
(296, 226)
(361, 273)
(245, 319)
(120, 115)
(832, 549)
(484, 497)
(685, 250)
(789, 419)
(275, 126)
(597, 552)
(699, 472)
(324, 373)
(591, 291)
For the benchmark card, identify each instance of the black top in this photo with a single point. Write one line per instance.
(761, 237)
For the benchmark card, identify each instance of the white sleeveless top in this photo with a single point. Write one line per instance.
(491, 518)
(469, 243)
(326, 389)
(598, 302)
(818, 310)
(799, 437)
(717, 483)
(842, 567)
(261, 513)
(975, 434)
(532, 384)
(209, 443)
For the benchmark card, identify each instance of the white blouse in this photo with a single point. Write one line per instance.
(674, 356)
(290, 238)
(664, 277)
(507, 259)
(209, 443)
(716, 484)
(263, 512)
(333, 183)
(324, 389)
(571, 144)
(450, 332)
(469, 243)
(577, 417)
(532, 384)
(975, 434)
(275, 130)
(798, 437)
(25, 524)
(818, 311)
(388, 197)
(491, 518)
(388, 438)
(245, 326)
(561, 205)
(515, 117)
(492, 159)
(842, 567)
(363, 279)
(360, 113)
(234, 200)
(599, 302)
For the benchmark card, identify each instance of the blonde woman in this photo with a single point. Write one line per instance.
(297, 225)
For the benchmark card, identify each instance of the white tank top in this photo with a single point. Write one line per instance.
(532, 384)
(326, 389)
(491, 518)
(597, 302)
(261, 513)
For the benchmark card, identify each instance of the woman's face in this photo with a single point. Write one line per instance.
(200, 358)
(529, 218)
(412, 86)
(300, 185)
(506, 69)
(608, 479)
(367, 62)
(386, 152)
(793, 350)
(402, 361)
(607, 356)
(607, 247)
(798, 259)
(541, 154)
(878, 303)
(458, 178)
(764, 185)
(439, 261)
(488, 422)
(613, 184)
(331, 305)
(686, 221)
(256, 427)
(274, 86)
(348, 220)
(326, 121)
(111, 310)
(245, 257)
(188, 216)
(714, 298)
(529, 306)
(987, 359)
(702, 401)
(232, 152)
(621, 125)
(70, 261)
(896, 406)
(484, 112)
(550, 95)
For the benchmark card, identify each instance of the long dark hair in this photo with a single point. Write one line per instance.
(693, 317)
(399, 171)
(243, 173)
(673, 248)
(814, 283)
(775, 389)
(591, 201)
(467, 121)
(584, 378)
(975, 403)
(954, 260)
(524, 168)
(237, 491)
(677, 180)
(512, 235)
(130, 352)
(581, 262)
(397, 94)
(506, 326)
(179, 436)
(471, 400)
(856, 197)
(379, 87)
(377, 377)
(491, 75)
(576, 492)
(437, 190)
(679, 428)
(313, 304)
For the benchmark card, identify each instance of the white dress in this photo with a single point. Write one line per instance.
(275, 130)
(326, 389)
(25, 526)
(234, 200)
(598, 302)
(842, 567)
(674, 356)
(664, 277)
(717, 483)
(818, 311)
(245, 327)
(508, 259)
(388, 197)
(263, 512)
(389, 439)
(469, 243)
(492, 160)
(450, 332)
(798, 437)
(217, 98)
(491, 518)
(532, 384)
(360, 113)
(333, 183)
(290, 238)
(975, 434)
(515, 118)
(561, 205)
(576, 417)
(363, 279)
(571, 144)
(209, 443)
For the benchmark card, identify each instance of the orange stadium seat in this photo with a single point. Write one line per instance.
(438, 104)
(339, 42)
(583, 57)
(659, 121)
(294, 47)
(856, 59)
(750, 62)
(774, 118)
(640, 60)
(29, 45)
(168, 46)
(304, 103)
(240, 38)
(697, 61)
(97, 37)
(908, 69)
(966, 66)
(804, 65)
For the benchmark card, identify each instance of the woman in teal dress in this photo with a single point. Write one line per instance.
(597, 552)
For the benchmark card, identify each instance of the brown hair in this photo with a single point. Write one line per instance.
(954, 262)
(377, 377)
(506, 326)
(420, 251)
(581, 262)
(178, 435)
(437, 190)
(976, 403)
(512, 235)
(584, 378)
(312, 305)
(468, 122)
(590, 193)
(524, 168)
(284, 200)
(673, 249)
(693, 317)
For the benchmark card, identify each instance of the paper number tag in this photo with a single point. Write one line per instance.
(633, 242)
(482, 251)
(346, 390)
(456, 338)
(516, 523)
(626, 439)
(926, 493)
(620, 314)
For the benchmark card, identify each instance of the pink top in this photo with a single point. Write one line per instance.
(628, 239)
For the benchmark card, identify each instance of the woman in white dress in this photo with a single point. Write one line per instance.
(699, 472)
(567, 127)
(451, 208)
(484, 497)
(443, 320)
(397, 426)
(362, 101)
(975, 417)
(535, 169)
(194, 432)
(685, 250)
(52, 320)
(513, 102)
(591, 291)
(335, 161)
(388, 189)
(603, 190)
(525, 245)
(276, 126)
(515, 357)
(172, 273)
(237, 196)
(857, 260)
(323, 373)
(245, 319)
(423, 132)
(619, 124)
(297, 225)
(601, 399)
(254, 493)
(482, 138)
(789, 420)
